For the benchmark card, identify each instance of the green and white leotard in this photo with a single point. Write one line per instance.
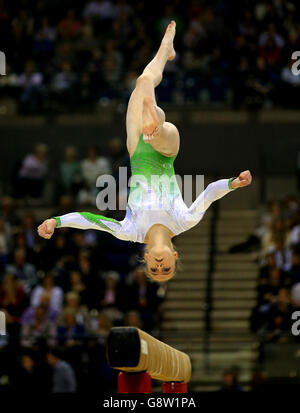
(154, 198)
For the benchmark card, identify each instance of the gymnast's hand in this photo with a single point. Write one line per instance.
(244, 179)
(46, 229)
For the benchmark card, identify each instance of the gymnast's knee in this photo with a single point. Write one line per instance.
(148, 76)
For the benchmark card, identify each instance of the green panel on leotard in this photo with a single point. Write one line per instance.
(97, 219)
(146, 161)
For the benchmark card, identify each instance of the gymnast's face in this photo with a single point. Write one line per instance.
(161, 262)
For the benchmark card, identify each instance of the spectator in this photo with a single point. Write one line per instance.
(69, 27)
(29, 230)
(269, 289)
(38, 331)
(133, 319)
(102, 9)
(31, 83)
(28, 376)
(70, 333)
(143, 297)
(230, 382)
(64, 380)
(4, 241)
(62, 85)
(33, 172)
(8, 212)
(279, 317)
(111, 292)
(78, 286)
(44, 40)
(13, 299)
(102, 327)
(92, 167)
(48, 288)
(24, 272)
(72, 304)
(70, 172)
(29, 313)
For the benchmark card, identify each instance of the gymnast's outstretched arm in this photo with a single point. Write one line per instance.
(217, 190)
(80, 220)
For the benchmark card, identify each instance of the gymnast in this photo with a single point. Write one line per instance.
(154, 214)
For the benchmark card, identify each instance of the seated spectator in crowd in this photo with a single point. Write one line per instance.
(70, 172)
(13, 299)
(258, 380)
(64, 379)
(260, 85)
(24, 272)
(62, 85)
(20, 242)
(65, 205)
(48, 288)
(269, 287)
(78, 286)
(270, 52)
(28, 378)
(143, 297)
(271, 33)
(70, 333)
(29, 230)
(4, 242)
(72, 303)
(102, 9)
(32, 173)
(44, 40)
(51, 313)
(266, 266)
(133, 319)
(56, 253)
(282, 254)
(38, 331)
(31, 83)
(110, 297)
(111, 292)
(89, 275)
(92, 167)
(230, 382)
(295, 296)
(102, 327)
(8, 213)
(87, 41)
(293, 275)
(78, 243)
(279, 317)
(69, 27)
(118, 156)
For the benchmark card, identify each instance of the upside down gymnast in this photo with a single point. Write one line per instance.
(153, 145)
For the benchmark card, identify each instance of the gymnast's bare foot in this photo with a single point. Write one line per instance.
(168, 39)
(150, 119)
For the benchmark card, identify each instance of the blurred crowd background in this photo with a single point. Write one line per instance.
(62, 296)
(276, 246)
(67, 293)
(72, 57)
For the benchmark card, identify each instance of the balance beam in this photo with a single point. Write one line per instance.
(131, 350)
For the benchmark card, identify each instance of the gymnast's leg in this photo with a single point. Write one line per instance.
(143, 115)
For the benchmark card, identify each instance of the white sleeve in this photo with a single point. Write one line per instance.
(124, 230)
(213, 192)
(87, 220)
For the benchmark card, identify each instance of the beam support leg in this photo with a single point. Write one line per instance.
(134, 383)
